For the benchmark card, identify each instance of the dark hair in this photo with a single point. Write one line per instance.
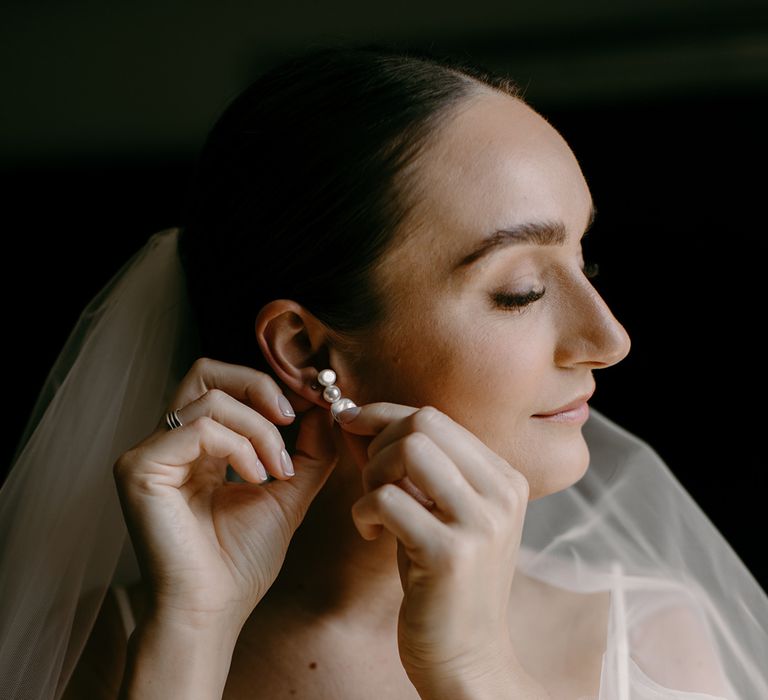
(304, 182)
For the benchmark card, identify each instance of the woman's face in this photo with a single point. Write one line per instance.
(449, 340)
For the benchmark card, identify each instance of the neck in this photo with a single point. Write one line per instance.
(332, 575)
(330, 571)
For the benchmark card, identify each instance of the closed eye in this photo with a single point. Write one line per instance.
(510, 300)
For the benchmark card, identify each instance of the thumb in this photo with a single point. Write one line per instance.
(314, 443)
(314, 459)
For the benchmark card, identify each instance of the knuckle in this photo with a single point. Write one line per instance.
(266, 383)
(493, 526)
(203, 425)
(261, 387)
(386, 495)
(425, 417)
(126, 463)
(508, 496)
(429, 414)
(415, 443)
(201, 366)
(520, 487)
(216, 396)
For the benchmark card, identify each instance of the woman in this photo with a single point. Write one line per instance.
(401, 236)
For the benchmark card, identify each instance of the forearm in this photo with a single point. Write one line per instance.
(166, 660)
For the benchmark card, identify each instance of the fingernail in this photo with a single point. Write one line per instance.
(285, 407)
(287, 463)
(349, 414)
(262, 471)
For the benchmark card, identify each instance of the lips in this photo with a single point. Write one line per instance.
(567, 407)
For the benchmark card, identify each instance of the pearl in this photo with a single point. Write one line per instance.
(332, 393)
(326, 377)
(341, 405)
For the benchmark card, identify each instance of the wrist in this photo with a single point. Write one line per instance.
(205, 624)
(169, 657)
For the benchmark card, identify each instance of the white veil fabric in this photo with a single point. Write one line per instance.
(62, 533)
(686, 618)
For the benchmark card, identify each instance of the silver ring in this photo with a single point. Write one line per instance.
(172, 419)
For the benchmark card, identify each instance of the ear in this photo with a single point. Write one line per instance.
(297, 345)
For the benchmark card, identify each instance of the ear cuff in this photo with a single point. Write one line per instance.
(332, 393)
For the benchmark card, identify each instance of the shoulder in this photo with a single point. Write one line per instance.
(674, 647)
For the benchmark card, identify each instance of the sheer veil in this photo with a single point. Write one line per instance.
(62, 534)
(686, 616)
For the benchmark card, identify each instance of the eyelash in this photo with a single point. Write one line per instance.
(518, 301)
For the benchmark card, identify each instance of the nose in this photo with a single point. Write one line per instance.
(591, 336)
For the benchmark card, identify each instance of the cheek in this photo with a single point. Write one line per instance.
(409, 365)
(501, 369)
(495, 385)
(488, 379)
(485, 376)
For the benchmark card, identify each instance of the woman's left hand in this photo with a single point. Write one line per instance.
(457, 548)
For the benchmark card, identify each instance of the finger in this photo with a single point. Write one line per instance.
(357, 446)
(315, 458)
(371, 419)
(481, 467)
(314, 443)
(374, 417)
(410, 488)
(227, 410)
(391, 508)
(170, 458)
(429, 468)
(249, 386)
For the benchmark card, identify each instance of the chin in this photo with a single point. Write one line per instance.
(560, 467)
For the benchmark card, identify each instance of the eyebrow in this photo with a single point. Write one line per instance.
(538, 233)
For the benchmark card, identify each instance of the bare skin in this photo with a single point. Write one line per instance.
(287, 652)
(336, 599)
(471, 385)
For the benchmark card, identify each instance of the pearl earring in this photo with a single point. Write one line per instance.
(332, 393)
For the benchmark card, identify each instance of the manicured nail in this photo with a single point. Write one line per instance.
(285, 407)
(287, 463)
(349, 414)
(262, 471)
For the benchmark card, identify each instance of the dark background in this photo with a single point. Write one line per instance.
(664, 104)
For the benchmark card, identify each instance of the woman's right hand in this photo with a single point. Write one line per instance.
(210, 549)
